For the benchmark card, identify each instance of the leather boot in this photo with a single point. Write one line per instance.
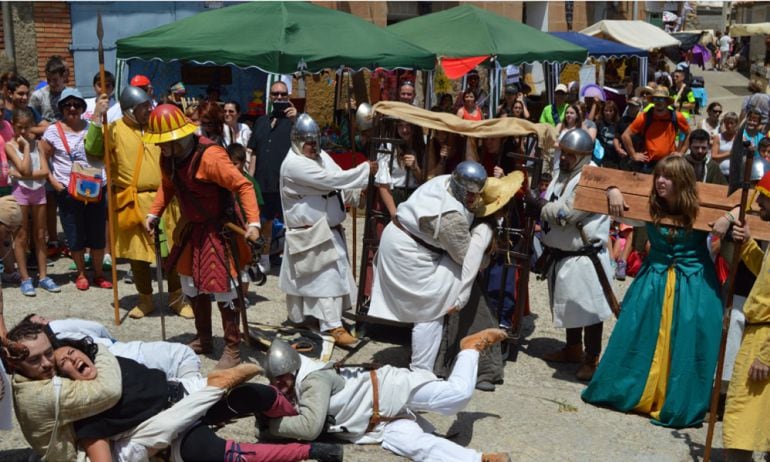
(178, 303)
(495, 457)
(143, 308)
(326, 452)
(587, 369)
(231, 356)
(202, 343)
(568, 354)
(342, 337)
(482, 340)
(230, 378)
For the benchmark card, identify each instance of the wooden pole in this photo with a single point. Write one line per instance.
(352, 136)
(107, 153)
(748, 162)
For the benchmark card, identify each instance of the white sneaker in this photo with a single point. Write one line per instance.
(264, 264)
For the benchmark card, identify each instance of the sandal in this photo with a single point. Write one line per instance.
(82, 283)
(102, 283)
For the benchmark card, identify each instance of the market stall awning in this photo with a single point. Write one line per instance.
(637, 34)
(278, 37)
(687, 39)
(743, 30)
(466, 31)
(598, 47)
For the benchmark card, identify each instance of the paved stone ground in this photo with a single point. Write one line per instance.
(536, 415)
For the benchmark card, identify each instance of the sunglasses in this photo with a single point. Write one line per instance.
(279, 93)
(71, 104)
(716, 112)
(660, 100)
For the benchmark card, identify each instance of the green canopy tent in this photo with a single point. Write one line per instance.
(277, 37)
(466, 31)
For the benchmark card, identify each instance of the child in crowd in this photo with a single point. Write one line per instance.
(29, 191)
(237, 153)
(764, 148)
(621, 239)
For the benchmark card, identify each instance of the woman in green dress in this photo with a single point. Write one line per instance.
(661, 356)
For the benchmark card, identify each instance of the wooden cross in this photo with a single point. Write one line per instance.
(636, 188)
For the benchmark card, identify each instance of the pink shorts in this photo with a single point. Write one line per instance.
(26, 196)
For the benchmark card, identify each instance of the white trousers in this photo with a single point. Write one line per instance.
(175, 359)
(164, 429)
(734, 338)
(328, 310)
(426, 340)
(447, 397)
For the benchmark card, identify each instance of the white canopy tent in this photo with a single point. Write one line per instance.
(743, 30)
(637, 34)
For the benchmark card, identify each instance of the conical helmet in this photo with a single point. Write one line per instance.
(577, 141)
(132, 97)
(305, 130)
(281, 359)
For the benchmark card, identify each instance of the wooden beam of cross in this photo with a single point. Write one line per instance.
(636, 188)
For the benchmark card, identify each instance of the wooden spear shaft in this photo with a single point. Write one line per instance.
(107, 153)
(748, 162)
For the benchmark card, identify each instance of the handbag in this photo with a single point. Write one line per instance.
(85, 182)
(127, 200)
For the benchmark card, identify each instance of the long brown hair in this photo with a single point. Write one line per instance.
(683, 209)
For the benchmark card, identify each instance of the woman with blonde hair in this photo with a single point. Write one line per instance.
(661, 358)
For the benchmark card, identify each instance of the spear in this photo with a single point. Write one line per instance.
(107, 150)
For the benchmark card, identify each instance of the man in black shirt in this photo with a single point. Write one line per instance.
(269, 143)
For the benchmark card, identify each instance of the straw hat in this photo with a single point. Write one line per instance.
(10, 212)
(662, 92)
(645, 89)
(498, 191)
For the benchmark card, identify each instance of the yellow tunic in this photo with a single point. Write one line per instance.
(134, 243)
(746, 425)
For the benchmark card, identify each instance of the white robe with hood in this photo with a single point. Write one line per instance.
(577, 299)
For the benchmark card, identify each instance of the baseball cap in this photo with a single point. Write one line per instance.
(140, 80)
(71, 92)
(561, 87)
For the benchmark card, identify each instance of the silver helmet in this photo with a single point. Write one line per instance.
(468, 177)
(131, 97)
(281, 359)
(305, 129)
(364, 116)
(577, 141)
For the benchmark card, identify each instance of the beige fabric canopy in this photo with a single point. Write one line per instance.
(742, 30)
(490, 128)
(637, 34)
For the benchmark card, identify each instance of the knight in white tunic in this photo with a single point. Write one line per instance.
(578, 302)
(315, 273)
(419, 263)
(367, 405)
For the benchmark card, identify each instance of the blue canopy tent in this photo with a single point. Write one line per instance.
(603, 49)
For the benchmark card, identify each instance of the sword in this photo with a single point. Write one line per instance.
(255, 244)
(593, 255)
(159, 277)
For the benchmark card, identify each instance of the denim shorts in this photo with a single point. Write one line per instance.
(84, 224)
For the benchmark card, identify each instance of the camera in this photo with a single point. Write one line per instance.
(279, 109)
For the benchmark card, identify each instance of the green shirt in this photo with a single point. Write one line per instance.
(546, 117)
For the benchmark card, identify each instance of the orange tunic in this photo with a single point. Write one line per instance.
(204, 184)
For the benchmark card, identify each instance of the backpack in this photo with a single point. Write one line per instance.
(648, 121)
